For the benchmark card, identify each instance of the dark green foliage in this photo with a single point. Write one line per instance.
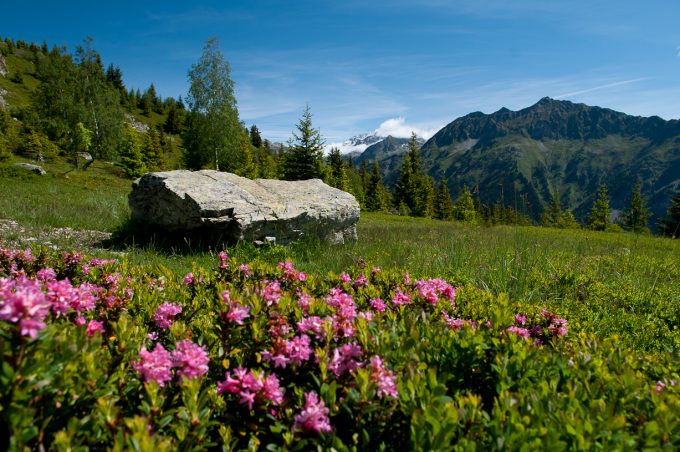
(304, 157)
(9, 137)
(337, 174)
(255, 138)
(636, 216)
(174, 121)
(443, 204)
(414, 190)
(600, 214)
(554, 217)
(152, 151)
(37, 146)
(375, 196)
(131, 155)
(213, 131)
(670, 226)
(465, 209)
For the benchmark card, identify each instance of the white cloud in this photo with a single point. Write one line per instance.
(398, 128)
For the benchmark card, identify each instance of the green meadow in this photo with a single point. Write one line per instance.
(459, 373)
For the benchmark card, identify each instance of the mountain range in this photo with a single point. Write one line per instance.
(521, 157)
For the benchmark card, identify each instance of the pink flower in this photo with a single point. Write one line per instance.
(314, 325)
(344, 359)
(304, 299)
(189, 279)
(345, 278)
(46, 274)
(360, 281)
(314, 416)
(94, 327)
(223, 258)
(430, 290)
(237, 313)
(165, 314)
(272, 293)
(378, 304)
(251, 388)
(154, 366)
(400, 298)
(407, 278)
(521, 332)
(296, 351)
(23, 302)
(383, 378)
(520, 319)
(191, 359)
(245, 269)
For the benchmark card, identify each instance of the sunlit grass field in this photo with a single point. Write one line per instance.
(609, 283)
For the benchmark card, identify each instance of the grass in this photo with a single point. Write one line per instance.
(607, 283)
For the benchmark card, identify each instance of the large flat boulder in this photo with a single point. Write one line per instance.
(238, 208)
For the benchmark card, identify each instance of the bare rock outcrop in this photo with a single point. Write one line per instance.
(238, 208)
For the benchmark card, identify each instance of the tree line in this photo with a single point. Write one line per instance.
(79, 108)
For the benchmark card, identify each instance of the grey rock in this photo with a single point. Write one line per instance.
(33, 168)
(3, 66)
(85, 156)
(133, 122)
(238, 208)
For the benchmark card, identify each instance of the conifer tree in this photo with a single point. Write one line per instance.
(131, 158)
(464, 209)
(374, 198)
(443, 204)
(600, 214)
(255, 138)
(414, 190)
(670, 226)
(552, 214)
(152, 151)
(636, 216)
(303, 159)
(337, 172)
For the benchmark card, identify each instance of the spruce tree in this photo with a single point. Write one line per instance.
(338, 174)
(636, 216)
(464, 209)
(255, 138)
(414, 190)
(374, 197)
(600, 214)
(303, 159)
(443, 204)
(552, 214)
(152, 151)
(131, 158)
(670, 226)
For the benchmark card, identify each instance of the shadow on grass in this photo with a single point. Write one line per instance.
(136, 235)
(132, 234)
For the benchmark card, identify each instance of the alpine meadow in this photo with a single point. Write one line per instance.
(512, 282)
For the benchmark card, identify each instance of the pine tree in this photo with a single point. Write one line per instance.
(600, 214)
(552, 214)
(152, 151)
(173, 122)
(255, 138)
(414, 190)
(374, 197)
(131, 158)
(443, 204)
(303, 160)
(636, 216)
(464, 209)
(337, 175)
(670, 226)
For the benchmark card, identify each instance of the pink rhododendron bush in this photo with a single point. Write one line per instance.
(101, 354)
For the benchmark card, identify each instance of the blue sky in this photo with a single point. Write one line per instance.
(395, 65)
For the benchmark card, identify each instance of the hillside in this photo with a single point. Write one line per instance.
(518, 157)
(390, 153)
(45, 93)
